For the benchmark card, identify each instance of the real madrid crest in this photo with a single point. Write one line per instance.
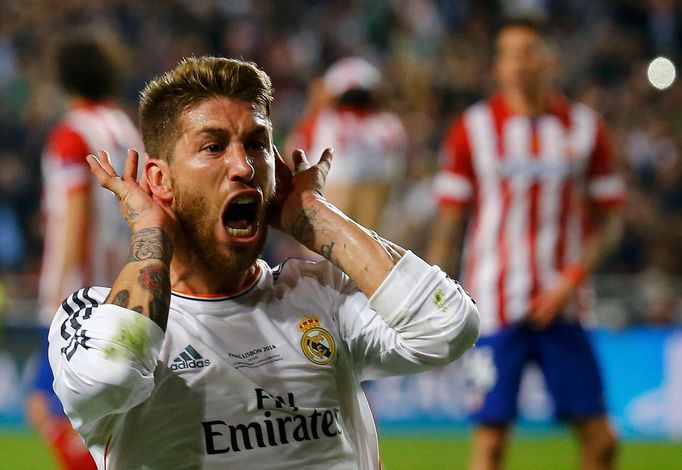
(317, 343)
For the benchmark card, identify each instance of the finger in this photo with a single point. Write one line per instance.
(325, 162)
(144, 180)
(105, 162)
(94, 164)
(535, 319)
(130, 168)
(277, 154)
(280, 165)
(144, 183)
(106, 180)
(300, 161)
(282, 172)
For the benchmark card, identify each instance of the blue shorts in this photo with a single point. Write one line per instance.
(565, 356)
(44, 378)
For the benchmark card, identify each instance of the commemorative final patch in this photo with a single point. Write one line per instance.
(317, 343)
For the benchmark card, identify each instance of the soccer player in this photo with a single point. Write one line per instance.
(85, 240)
(370, 143)
(540, 176)
(202, 356)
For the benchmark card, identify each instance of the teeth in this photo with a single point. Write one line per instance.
(244, 199)
(242, 232)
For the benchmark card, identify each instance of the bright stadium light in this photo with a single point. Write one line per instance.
(661, 73)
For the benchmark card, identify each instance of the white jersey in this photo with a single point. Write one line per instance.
(267, 379)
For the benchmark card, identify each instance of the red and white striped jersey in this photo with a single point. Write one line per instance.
(368, 146)
(530, 181)
(84, 130)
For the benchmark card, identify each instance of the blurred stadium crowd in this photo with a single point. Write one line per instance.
(435, 59)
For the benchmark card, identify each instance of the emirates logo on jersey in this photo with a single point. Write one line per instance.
(317, 344)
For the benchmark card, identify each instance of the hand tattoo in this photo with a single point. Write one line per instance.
(129, 213)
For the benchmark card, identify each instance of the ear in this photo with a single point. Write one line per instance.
(160, 180)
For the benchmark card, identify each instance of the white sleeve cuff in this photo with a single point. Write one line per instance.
(410, 272)
(126, 334)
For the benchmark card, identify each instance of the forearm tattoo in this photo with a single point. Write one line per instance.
(121, 298)
(156, 280)
(150, 243)
(153, 280)
(326, 250)
(303, 230)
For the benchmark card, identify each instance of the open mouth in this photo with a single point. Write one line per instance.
(240, 216)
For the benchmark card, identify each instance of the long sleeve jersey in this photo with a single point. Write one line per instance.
(270, 378)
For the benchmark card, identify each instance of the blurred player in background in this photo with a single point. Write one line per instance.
(539, 177)
(345, 112)
(85, 239)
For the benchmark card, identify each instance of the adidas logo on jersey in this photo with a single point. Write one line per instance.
(189, 358)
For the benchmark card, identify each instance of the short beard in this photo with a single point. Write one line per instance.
(194, 216)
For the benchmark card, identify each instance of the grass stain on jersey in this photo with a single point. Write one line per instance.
(133, 337)
(439, 299)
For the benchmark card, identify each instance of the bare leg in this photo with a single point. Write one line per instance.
(489, 443)
(37, 410)
(598, 442)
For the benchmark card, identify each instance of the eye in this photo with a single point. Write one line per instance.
(256, 145)
(213, 148)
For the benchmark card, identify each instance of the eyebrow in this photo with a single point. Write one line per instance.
(223, 133)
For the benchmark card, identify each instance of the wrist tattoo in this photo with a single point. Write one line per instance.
(302, 228)
(150, 243)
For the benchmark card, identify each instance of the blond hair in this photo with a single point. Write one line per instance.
(192, 81)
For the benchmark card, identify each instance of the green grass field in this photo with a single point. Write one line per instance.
(22, 451)
(557, 451)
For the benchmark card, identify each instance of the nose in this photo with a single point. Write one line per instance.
(239, 164)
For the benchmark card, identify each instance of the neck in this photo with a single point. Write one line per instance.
(191, 275)
(528, 103)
